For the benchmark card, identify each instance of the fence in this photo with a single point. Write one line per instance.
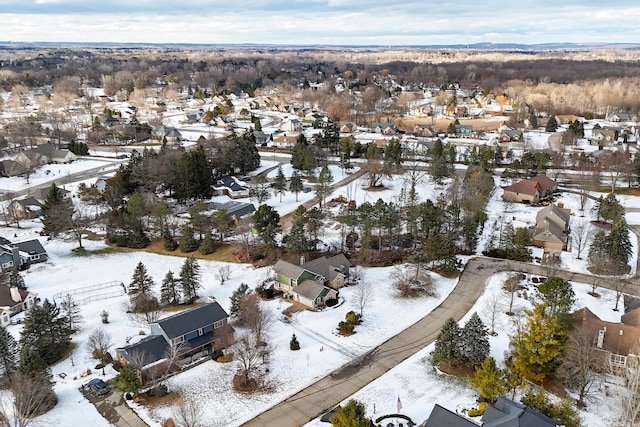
(91, 288)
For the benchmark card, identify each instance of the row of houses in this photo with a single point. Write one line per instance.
(28, 160)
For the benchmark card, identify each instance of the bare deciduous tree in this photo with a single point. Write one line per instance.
(583, 365)
(511, 287)
(490, 312)
(255, 316)
(188, 413)
(222, 273)
(581, 235)
(362, 296)
(31, 397)
(98, 345)
(248, 354)
(629, 392)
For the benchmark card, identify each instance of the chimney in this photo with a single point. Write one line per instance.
(211, 298)
(15, 255)
(600, 338)
(15, 294)
(302, 260)
(561, 205)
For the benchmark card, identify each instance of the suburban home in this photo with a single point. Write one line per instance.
(604, 136)
(511, 135)
(464, 131)
(551, 231)
(31, 159)
(101, 185)
(27, 208)
(617, 341)
(261, 137)
(172, 135)
(14, 301)
(503, 413)
(232, 187)
(424, 130)
(622, 117)
(347, 127)
(384, 128)
(236, 209)
(40, 194)
(291, 125)
(315, 282)
(53, 155)
(285, 141)
(9, 168)
(530, 190)
(201, 329)
(20, 254)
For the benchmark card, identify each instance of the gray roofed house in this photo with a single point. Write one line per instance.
(10, 168)
(40, 194)
(197, 330)
(441, 417)
(27, 208)
(14, 301)
(236, 209)
(232, 188)
(21, 254)
(312, 293)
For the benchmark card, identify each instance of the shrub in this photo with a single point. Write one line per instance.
(352, 318)
(345, 328)
(294, 344)
(216, 354)
(476, 412)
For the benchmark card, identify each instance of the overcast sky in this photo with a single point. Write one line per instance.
(337, 22)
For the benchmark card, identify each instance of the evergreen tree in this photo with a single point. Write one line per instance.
(194, 175)
(533, 120)
(56, 212)
(490, 380)
(207, 246)
(552, 124)
(141, 282)
(16, 280)
(188, 242)
(474, 341)
(46, 331)
(296, 239)
(127, 380)
(31, 364)
(294, 344)
(351, 415)
(266, 221)
(393, 154)
(620, 248)
(236, 300)
(296, 186)
(536, 349)
(169, 291)
(447, 346)
(222, 222)
(323, 187)
(190, 279)
(168, 241)
(280, 183)
(9, 351)
(557, 296)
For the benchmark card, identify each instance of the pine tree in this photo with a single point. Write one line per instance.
(280, 183)
(46, 331)
(620, 248)
(16, 280)
(31, 363)
(323, 187)
(296, 239)
(557, 296)
(266, 221)
(296, 186)
(56, 212)
(9, 351)
(236, 300)
(190, 279)
(169, 291)
(490, 380)
(206, 246)
(535, 350)
(552, 124)
(141, 282)
(168, 241)
(474, 342)
(127, 380)
(188, 242)
(447, 346)
(222, 222)
(533, 120)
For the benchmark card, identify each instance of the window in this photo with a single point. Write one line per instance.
(200, 332)
(618, 359)
(218, 324)
(7, 264)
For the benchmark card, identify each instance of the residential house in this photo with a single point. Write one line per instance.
(101, 185)
(424, 130)
(40, 194)
(31, 159)
(285, 141)
(232, 187)
(315, 282)
(551, 231)
(9, 168)
(347, 127)
(603, 136)
(235, 209)
(504, 413)
(261, 137)
(27, 208)
(530, 190)
(565, 119)
(201, 329)
(14, 301)
(21, 254)
(511, 135)
(291, 125)
(622, 117)
(464, 131)
(384, 128)
(172, 135)
(54, 155)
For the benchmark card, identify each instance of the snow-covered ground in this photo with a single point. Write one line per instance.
(419, 386)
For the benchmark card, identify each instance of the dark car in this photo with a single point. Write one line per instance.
(99, 387)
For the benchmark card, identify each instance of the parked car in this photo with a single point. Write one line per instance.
(99, 387)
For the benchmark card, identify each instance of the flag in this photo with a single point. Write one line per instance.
(399, 404)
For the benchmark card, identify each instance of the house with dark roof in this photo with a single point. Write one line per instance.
(9, 168)
(511, 135)
(27, 208)
(234, 208)
(315, 282)
(40, 194)
(603, 136)
(14, 301)
(504, 413)
(384, 128)
(551, 231)
(230, 186)
(530, 190)
(201, 329)
(21, 254)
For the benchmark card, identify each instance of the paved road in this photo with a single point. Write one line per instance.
(326, 393)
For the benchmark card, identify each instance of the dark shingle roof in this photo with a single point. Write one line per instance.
(441, 417)
(238, 209)
(190, 320)
(32, 246)
(287, 269)
(151, 349)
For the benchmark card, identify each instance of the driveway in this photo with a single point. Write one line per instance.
(114, 409)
